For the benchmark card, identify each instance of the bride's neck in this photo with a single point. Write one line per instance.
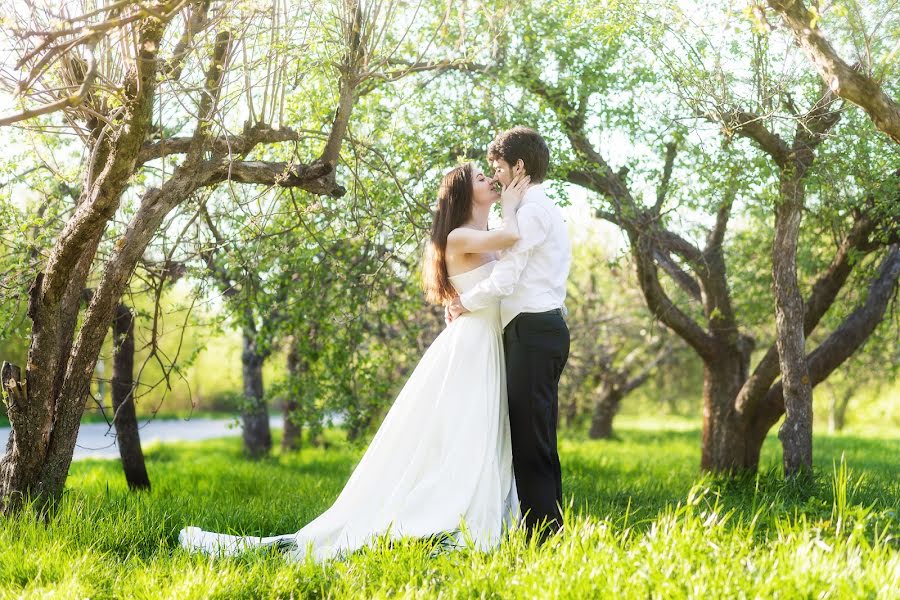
(479, 218)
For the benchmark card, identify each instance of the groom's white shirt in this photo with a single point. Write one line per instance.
(530, 276)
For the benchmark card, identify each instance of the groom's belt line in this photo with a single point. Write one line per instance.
(555, 311)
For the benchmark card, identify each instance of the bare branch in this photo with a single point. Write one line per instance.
(859, 325)
(317, 178)
(842, 79)
(662, 306)
(820, 299)
(72, 101)
(234, 144)
(671, 149)
(196, 23)
(219, 273)
(812, 126)
(209, 97)
(679, 275)
(351, 70)
(638, 380)
(851, 334)
(749, 125)
(717, 235)
(439, 66)
(668, 240)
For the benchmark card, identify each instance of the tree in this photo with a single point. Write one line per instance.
(124, 412)
(126, 70)
(616, 344)
(866, 373)
(293, 424)
(634, 371)
(793, 161)
(240, 284)
(353, 325)
(599, 78)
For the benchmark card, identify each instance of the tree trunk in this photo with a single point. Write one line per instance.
(45, 415)
(293, 430)
(618, 386)
(254, 413)
(570, 410)
(605, 410)
(354, 430)
(20, 459)
(292, 438)
(124, 414)
(724, 431)
(796, 431)
(837, 417)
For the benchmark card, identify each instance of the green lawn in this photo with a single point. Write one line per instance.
(642, 523)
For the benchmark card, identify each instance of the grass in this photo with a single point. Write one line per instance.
(641, 523)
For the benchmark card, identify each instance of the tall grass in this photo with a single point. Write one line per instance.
(640, 522)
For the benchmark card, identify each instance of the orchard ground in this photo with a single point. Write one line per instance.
(641, 522)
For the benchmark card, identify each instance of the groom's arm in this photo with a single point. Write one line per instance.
(533, 229)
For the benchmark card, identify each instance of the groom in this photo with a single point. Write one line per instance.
(530, 281)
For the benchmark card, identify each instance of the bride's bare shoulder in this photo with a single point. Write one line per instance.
(460, 231)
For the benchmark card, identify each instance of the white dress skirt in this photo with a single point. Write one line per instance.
(441, 462)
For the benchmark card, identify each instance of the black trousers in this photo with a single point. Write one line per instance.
(536, 346)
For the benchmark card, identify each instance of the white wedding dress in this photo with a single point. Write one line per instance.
(441, 457)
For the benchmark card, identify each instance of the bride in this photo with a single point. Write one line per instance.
(441, 462)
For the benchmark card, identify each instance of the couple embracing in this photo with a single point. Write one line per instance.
(468, 448)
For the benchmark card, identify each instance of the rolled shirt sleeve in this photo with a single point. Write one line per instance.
(533, 230)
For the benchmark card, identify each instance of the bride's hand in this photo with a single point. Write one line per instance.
(511, 196)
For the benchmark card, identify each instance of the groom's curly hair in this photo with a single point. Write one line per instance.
(522, 143)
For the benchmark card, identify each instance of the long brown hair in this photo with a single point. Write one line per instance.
(454, 207)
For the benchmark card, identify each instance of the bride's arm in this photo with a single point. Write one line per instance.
(533, 228)
(464, 240)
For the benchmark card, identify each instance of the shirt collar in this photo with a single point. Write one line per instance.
(533, 193)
